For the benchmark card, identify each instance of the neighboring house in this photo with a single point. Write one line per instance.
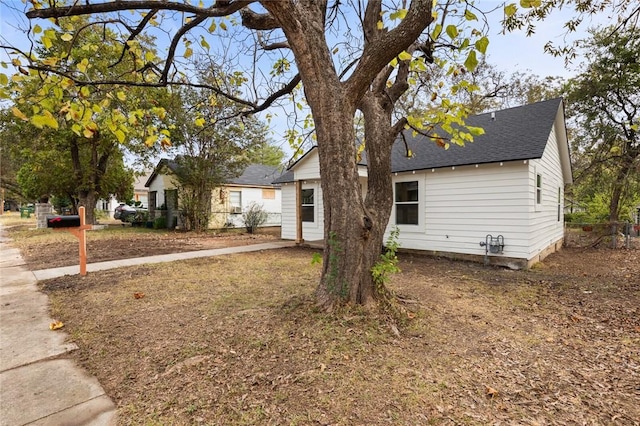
(228, 201)
(140, 193)
(509, 182)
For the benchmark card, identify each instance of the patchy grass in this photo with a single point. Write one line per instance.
(48, 248)
(237, 340)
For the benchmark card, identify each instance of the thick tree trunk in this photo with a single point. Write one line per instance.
(88, 199)
(353, 231)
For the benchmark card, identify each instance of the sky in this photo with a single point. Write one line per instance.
(509, 52)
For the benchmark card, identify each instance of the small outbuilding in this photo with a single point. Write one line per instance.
(499, 199)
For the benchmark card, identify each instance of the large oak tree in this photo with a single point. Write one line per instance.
(349, 56)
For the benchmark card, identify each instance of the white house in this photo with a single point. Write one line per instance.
(504, 190)
(228, 202)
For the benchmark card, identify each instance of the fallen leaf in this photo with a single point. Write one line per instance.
(138, 295)
(491, 392)
(56, 325)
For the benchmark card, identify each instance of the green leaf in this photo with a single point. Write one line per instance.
(82, 66)
(436, 31)
(119, 134)
(204, 43)
(471, 62)
(46, 41)
(4, 80)
(528, 4)
(510, 10)
(400, 14)
(482, 45)
(452, 31)
(470, 16)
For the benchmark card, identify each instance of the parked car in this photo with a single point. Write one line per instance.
(122, 211)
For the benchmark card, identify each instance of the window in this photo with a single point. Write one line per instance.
(235, 199)
(559, 204)
(407, 203)
(268, 194)
(538, 188)
(308, 206)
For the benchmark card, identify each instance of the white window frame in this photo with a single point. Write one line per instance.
(232, 204)
(312, 205)
(421, 185)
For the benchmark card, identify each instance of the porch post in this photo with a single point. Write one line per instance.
(299, 239)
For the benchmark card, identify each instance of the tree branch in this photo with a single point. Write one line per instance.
(388, 46)
(219, 8)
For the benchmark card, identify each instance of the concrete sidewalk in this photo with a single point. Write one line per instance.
(46, 274)
(38, 385)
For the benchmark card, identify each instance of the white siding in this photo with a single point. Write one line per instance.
(460, 206)
(545, 229)
(254, 195)
(310, 231)
(308, 167)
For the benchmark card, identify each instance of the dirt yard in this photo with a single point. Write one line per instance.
(237, 340)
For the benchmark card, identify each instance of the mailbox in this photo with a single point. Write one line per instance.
(71, 221)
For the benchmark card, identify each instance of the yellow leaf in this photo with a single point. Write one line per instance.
(47, 42)
(204, 43)
(404, 56)
(151, 140)
(380, 25)
(44, 120)
(121, 96)
(200, 122)
(56, 325)
(88, 133)
(19, 114)
(223, 26)
(119, 135)
(82, 66)
(66, 37)
(188, 52)
(212, 27)
(149, 56)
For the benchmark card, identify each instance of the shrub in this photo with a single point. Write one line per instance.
(254, 216)
(160, 223)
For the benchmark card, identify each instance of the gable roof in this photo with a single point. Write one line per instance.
(253, 174)
(257, 175)
(519, 133)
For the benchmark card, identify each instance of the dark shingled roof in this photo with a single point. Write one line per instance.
(519, 133)
(256, 174)
(253, 175)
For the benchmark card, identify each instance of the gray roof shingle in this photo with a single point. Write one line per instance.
(519, 133)
(258, 175)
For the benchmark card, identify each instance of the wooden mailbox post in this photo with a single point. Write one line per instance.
(76, 225)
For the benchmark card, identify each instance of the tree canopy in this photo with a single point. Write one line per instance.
(604, 102)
